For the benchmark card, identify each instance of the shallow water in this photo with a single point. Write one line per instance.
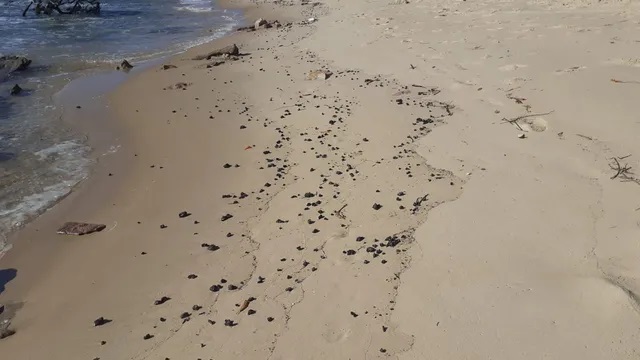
(41, 159)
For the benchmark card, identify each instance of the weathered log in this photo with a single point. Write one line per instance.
(261, 24)
(231, 50)
(76, 228)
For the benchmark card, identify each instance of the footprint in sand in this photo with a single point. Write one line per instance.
(632, 62)
(512, 67)
(333, 335)
(535, 124)
(570, 70)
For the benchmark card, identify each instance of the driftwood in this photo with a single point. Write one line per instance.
(231, 50)
(514, 121)
(261, 24)
(622, 171)
(75, 228)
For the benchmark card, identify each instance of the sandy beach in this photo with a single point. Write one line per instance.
(363, 180)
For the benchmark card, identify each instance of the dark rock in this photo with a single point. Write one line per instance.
(270, 319)
(168, 66)
(162, 300)
(232, 287)
(226, 217)
(184, 214)
(101, 321)
(196, 307)
(377, 206)
(184, 315)
(211, 247)
(15, 90)
(148, 336)
(354, 314)
(230, 323)
(125, 65)
(192, 276)
(215, 288)
(251, 312)
(392, 241)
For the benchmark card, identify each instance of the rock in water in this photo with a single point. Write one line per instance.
(9, 64)
(125, 65)
(260, 22)
(15, 90)
(75, 228)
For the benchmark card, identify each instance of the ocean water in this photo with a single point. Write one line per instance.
(41, 158)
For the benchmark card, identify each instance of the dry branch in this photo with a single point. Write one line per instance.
(622, 171)
(514, 121)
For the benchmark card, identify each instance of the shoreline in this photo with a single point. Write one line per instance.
(105, 136)
(81, 202)
(91, 89)
(87, 205)
(96, 77)
(291, 201)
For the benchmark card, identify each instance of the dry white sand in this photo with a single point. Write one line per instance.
(486, 132)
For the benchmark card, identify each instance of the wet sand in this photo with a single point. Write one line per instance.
(444, 189)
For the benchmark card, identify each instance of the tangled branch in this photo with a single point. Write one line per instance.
(622, 171)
